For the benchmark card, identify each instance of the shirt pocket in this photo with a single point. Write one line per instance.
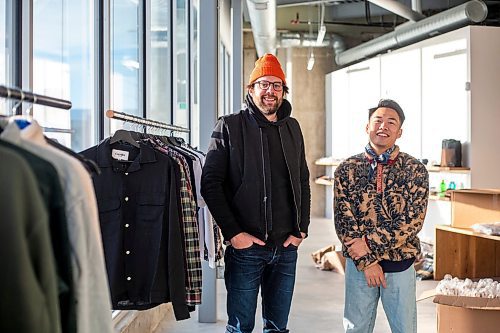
(150, 208)
(109, 217)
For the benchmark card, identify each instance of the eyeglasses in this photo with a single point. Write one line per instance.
(264, 85)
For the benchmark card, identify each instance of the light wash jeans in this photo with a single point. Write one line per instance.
(398, 300)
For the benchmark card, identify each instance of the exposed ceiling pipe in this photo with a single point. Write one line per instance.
(416, 5)
(473, 11)
(399, 9)
(338, 43)
(298, 39)
(263, 20)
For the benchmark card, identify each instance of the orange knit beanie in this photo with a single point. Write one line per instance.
(266, 65)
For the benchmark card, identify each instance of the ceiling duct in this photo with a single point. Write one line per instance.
(399, 9)
(473, 11)
(298, 39)
(416, 5)
(338, 43)
(263, 20)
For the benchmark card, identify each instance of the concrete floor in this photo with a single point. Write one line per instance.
(318, 299)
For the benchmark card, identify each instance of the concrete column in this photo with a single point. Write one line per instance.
(308, 105)
(236, 54)
(208, 65)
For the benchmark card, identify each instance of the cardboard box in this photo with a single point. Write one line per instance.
(460, 314)
(335, 261)
(477, 303)
(474, 206)
(330, 258)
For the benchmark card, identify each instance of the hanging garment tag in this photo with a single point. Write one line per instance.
(219, 270)
(120, 155)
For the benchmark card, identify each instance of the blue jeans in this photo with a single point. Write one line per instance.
(270, 268)
(398, 300)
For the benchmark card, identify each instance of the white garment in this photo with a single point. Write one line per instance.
(197, 168)
(205, 225)
(93, 308)
(200, 203)
(209, 236)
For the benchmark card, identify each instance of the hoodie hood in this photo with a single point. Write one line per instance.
(284, 112)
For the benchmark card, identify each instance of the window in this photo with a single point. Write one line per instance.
(125, 64)
(195, 109)
(181, 55)
(4, 43)
(160, 62)
(227, 83)
(148, 67)
(224, 81)
(6, 50)
(63, 67)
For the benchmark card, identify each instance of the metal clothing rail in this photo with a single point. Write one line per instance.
(26, 96)
(57, 130)
(146, 122)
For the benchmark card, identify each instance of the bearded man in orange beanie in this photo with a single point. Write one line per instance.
(255, 182)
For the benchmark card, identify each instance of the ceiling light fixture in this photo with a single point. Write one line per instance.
(321, 35)
(310, 59)
(322, 27)
(310, 62)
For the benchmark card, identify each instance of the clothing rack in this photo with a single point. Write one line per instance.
(146, 122)
(57, 130)
(26, 96)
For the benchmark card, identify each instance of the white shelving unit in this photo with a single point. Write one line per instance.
(448, 88)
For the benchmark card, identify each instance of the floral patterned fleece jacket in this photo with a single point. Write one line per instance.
(388, 210)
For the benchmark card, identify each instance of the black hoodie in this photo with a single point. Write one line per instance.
(281, 196)
(236, 179)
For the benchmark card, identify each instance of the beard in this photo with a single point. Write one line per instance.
(266, 106)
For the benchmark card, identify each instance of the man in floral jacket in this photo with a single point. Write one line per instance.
(380, 201)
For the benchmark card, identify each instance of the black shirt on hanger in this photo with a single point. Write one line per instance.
(137, 200)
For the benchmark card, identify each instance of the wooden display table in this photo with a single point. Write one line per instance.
(464, 253)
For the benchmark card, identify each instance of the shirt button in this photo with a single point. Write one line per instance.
(126, 173)
(127, 252)
(129, 278)
(126, 198)
(126, 225)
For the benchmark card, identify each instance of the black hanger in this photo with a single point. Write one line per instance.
(166, 140)
(175, 141)
(180, 141)
(172, 140)
(2, 117)
(124, 136)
